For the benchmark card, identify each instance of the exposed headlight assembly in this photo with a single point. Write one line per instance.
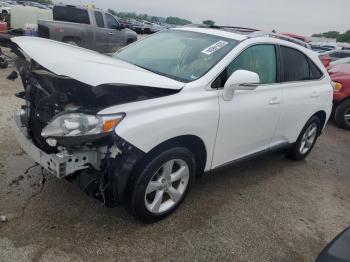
(80, 124)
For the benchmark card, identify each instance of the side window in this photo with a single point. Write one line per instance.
(111, 22)
(315, 72)
(71, 14)
(260, 59)
(99, 19)
(295, 66)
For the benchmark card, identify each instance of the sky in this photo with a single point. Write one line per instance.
(303, 17)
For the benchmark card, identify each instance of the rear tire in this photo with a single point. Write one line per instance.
(160, 184)
(71, 42)
(306, 140)
(342, 114)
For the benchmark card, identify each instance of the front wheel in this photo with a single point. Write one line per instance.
(161, 184)
(306, 139)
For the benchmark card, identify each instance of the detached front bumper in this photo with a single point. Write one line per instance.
(61, 164)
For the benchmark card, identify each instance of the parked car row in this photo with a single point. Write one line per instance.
(142, 26)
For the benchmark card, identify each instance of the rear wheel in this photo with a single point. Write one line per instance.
(162, 184)
(71, 42)
(306, 139)
(342, 115)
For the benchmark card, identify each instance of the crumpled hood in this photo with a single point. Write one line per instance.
(87, 66)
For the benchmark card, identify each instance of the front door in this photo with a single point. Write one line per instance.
(116, 35)
(247, 123)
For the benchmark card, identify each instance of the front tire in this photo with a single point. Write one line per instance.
(160, 184)
(342, 115)
(306, 140)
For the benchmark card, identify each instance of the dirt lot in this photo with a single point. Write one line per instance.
(271, 209)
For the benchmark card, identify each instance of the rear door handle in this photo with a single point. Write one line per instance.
(275, 101)
(110, 33)
(315, 94)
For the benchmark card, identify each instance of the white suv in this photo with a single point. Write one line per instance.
(139, 127)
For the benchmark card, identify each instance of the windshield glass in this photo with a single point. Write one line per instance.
(181, 55)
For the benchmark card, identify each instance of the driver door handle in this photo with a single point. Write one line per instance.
(110, 33)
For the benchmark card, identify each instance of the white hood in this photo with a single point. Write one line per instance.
(87, 66)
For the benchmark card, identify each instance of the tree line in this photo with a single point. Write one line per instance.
(345, 37)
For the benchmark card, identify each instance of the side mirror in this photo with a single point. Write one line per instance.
(121, 27)
(240, 80)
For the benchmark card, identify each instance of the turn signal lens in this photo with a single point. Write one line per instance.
(337, 86)
(108, 125)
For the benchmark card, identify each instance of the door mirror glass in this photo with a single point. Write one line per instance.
(240, 80)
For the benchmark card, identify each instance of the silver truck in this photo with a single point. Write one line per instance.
(89, 28)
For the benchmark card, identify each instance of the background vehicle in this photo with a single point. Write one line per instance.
(341, 61)
(147, 27)
(137, 26)
(166, 109)
(88, 28)
(124, 22)
(340, 74)
(337, 54)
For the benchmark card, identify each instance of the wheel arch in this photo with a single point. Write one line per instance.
(193, 143)
(322, 115)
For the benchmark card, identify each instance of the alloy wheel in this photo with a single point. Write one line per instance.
(308, 139)
(167, 186)
(347, 116)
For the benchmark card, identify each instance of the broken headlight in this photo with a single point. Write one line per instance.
(79, 124)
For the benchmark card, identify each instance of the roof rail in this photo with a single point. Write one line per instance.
(251, 32)
(226, 28)
(279, 36)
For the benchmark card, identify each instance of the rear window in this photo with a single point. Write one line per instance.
(71, 14)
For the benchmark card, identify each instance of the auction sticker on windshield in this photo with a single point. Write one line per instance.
(214, 47)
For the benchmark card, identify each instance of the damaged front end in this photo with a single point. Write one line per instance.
(60, 128)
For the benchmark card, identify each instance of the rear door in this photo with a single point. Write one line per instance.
(248, 122)
(116, 36)
(303, 93)
(101, 33)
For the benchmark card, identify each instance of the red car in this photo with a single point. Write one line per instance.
(340, 75)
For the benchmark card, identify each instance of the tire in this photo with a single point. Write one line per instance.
(152, 175)
(306, 140)
(3, 63)
(342, 114)
(71, 42)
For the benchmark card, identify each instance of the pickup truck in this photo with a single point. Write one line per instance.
(89, 28)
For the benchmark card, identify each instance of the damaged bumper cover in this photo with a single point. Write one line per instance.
(112, 184)
(61, 164)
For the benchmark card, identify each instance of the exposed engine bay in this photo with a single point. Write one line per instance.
(99, 163)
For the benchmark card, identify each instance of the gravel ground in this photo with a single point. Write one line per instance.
(270, 209)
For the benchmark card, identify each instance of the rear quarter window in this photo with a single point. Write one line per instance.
(296, 66)
(71, 14)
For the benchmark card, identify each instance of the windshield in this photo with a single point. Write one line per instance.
(180, 55)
